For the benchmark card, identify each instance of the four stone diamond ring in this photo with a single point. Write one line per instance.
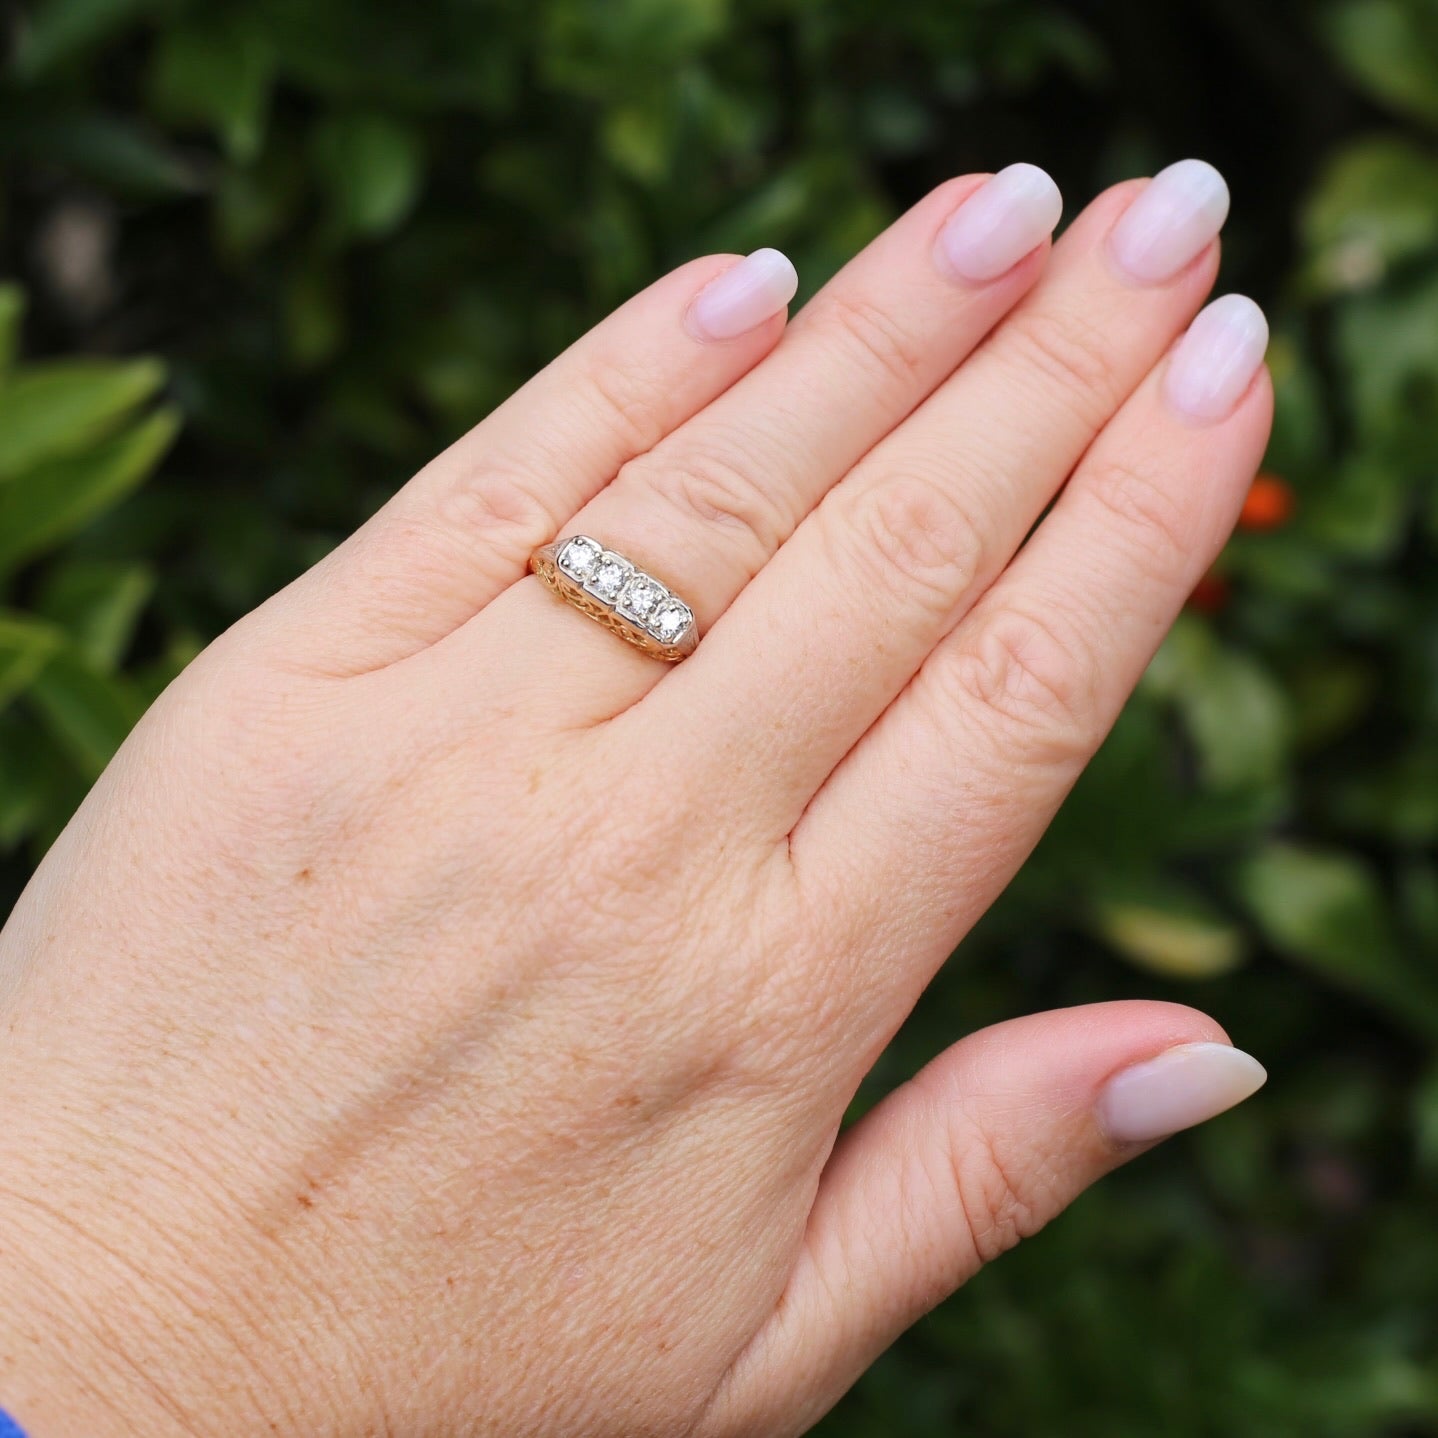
(609, 588)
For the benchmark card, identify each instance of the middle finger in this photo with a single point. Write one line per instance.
(826, 635)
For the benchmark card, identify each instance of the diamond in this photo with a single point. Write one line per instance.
(669, 620)
(578, 558)
(608, 576)
(640, 596)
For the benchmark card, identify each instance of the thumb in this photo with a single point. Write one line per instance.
(991, 1140)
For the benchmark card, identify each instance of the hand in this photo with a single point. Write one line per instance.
(439, 1017)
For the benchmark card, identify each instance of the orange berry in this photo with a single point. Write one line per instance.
(1269, 505)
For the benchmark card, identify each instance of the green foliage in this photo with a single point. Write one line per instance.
(1390, 47)
(349, 229)
(1327, 910)
(76, 437)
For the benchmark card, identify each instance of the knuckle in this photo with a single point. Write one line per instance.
(627, 399)
(878, 338)
(1070, 355)
(278, 785)
(492, 503)
(912, 539)
(1034, 680)
(1146, 510)
(715, 488)
(1003, 1197)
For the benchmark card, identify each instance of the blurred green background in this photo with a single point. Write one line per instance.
(266, 258)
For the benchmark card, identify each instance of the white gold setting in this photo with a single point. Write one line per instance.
(640, 597)
(608, 576)
(578, 558)
(609, 587)
(669, 620)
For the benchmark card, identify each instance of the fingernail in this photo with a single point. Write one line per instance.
(1001, 222)
(1172, 222)
(1181, 1087)
(745, 295)
(1215, 362)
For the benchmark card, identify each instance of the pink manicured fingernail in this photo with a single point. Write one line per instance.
(1215, 362)
(745, 295)
(1181, 1087)
(1172, 222)
(999, 224)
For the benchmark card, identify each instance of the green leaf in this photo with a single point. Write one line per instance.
(1319, 904)
(30, 787)
(1235, 712)
(1300, 439)
(1325, 910)
(1425, 1121)
(114, 152)
(12, 311)
(1170, 931)
(1396, 798)
(58, 497)
(1388, 342)
(1364, 509)
(26, 646)
(313, 312)
(58, 409)
(98, 603)
(87, 712)
(59, 29)
(1418, 902)
(601, 50)
(371, 168)
(216, 74)
(639, 138)
(1391, 48)
(1238, 719)
(253, 204)
(1118, 818)
(1374, 207)
(1329, 699)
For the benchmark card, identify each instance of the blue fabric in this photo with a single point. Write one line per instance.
(9, 1428)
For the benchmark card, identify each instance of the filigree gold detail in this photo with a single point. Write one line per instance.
(543, 563)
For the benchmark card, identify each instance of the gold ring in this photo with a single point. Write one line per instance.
(612, 589)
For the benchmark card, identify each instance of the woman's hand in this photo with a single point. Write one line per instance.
(439, 1017)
